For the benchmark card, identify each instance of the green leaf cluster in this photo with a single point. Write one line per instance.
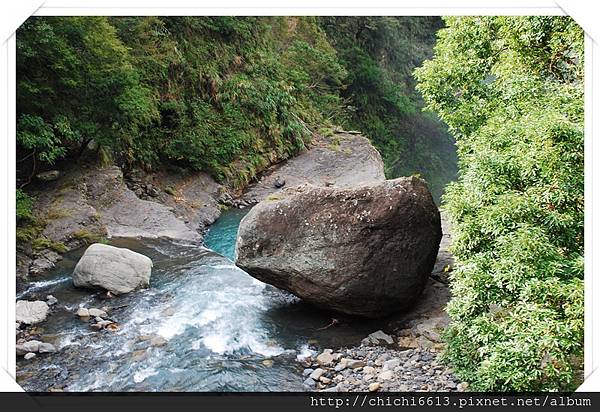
(228, 95)
(380, 54)
(511, 91)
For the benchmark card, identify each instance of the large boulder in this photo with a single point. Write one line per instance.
(364, 251)
(31, 312)
(117, 270)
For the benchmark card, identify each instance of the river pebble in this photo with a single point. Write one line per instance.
(376, 368)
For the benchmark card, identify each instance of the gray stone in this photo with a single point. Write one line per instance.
(40, 265)
(340, 367)
(378, 338)
(307, 372)
(366, 250)
(310, 382)
(94, 312)
(46, 348)
(342, 387)
(355, 363)
(83, 313)
(317, 373)
(26, 347)
(369, 370)
(374, 387)
(29, 355)
(385, 375)
(325, 358)
(51, 300)
(279, 182)
(31, 312)
(368, 377)
(343, 159)
(117, 270)
(391, 364)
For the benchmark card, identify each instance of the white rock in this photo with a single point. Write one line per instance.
(46, 348)
(97, 312)
(317, 373)
(374, 387)
(325, 358)
(31, 312)
(29, 355)
(83, 313)
(386, 375)
(29, 346)
(114, 269)
(355, 364)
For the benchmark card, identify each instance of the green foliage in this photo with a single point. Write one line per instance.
(41, 243)
(235, 93)
(379, 54)
(75, 83)
(24, 205)
(511, 91)
(229, 95)
(87, 236)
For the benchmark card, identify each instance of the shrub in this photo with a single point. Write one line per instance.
(511, 91)
(24, 205)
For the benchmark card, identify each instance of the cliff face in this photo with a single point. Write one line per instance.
(92, 203)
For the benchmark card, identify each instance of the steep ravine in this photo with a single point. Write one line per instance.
(205, 325)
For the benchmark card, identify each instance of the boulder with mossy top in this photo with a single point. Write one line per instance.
(366, 250)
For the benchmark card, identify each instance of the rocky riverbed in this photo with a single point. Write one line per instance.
(87, 203)
(405, 359)
(204, 324)
(373, 368)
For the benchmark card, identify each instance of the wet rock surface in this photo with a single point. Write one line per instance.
(366, 250)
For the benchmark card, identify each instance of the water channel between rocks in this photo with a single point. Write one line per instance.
(221, 329)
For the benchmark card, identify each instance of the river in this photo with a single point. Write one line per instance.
(222, 329)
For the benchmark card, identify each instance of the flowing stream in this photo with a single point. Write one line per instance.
(202, 325)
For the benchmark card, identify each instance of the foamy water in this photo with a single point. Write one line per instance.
(218, 323)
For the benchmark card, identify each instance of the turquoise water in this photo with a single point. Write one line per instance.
(220, 326)
(221, 236)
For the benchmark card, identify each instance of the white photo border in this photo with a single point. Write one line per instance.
(585, 12)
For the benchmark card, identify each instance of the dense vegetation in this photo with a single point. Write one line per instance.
(380, 54)
(228, 95)
(511, 91)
